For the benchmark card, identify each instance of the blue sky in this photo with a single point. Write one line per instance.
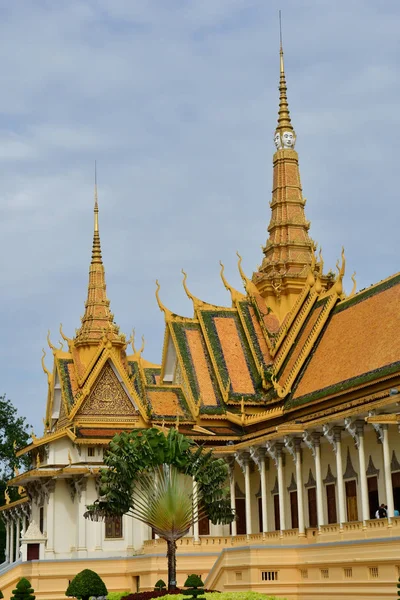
(177, 101)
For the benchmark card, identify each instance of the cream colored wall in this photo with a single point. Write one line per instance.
(238, 569)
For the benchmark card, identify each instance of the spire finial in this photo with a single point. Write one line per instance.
(96, 204)
(96, 251)
(284, 134)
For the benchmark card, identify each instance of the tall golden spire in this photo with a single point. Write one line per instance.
(97, 321)
(289, 251)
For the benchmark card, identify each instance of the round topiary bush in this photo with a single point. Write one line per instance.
(23, 591)
(86, 584)
(160, 585)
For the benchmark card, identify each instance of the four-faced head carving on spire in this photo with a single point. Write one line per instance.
(286, 140)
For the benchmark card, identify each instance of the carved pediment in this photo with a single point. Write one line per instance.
(108, 397)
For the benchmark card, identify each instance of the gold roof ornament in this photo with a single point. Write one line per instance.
(249, 286)
(161, 306)
(7, 496)
(97, 317)
(49, 342)
(235, 295)
(65, 338)
(353, 291)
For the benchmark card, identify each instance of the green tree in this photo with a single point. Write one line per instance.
(23, 591)
(149, 476)
(85, 584)
(13, 435)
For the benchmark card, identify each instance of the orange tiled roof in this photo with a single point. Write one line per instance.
(168, 402)
(361, 337)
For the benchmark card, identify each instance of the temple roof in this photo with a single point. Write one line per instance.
(359, 345)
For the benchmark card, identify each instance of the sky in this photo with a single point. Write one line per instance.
(177, 102)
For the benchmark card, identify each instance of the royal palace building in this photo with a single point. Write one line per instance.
(295, 383)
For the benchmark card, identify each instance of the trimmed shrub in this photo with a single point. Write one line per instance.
(160, 585)
(194, 582)
(86, 584)
(23, 591)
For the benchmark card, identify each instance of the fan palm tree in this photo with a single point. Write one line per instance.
(168, 501)
(164, 481)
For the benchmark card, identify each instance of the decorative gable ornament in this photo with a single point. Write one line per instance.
(33, 533)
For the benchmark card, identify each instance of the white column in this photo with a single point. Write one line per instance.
(299, 481)
(50, 520)
(196, 535)
(363, 472)
(318, 479)
(17, 539)
(81, 524)
(263, 479)
(247, 494)
(11, 548)
(233, 494)
(339, 474)
(387, 471)
(99, 535)
(7, 550)
(281, 486)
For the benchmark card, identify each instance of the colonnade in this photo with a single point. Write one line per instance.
(310, 441)
(16, 521)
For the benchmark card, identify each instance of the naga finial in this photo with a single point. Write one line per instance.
(142, 346)
(235, 295)
(49, 342)
(7, 496)
(338, 287)
(61, 345)
(64, 337)
(249, 286)
(131, 340)
(321, 261)
(161, 306)
(185, 287)
(45, 369)
(353, 291)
